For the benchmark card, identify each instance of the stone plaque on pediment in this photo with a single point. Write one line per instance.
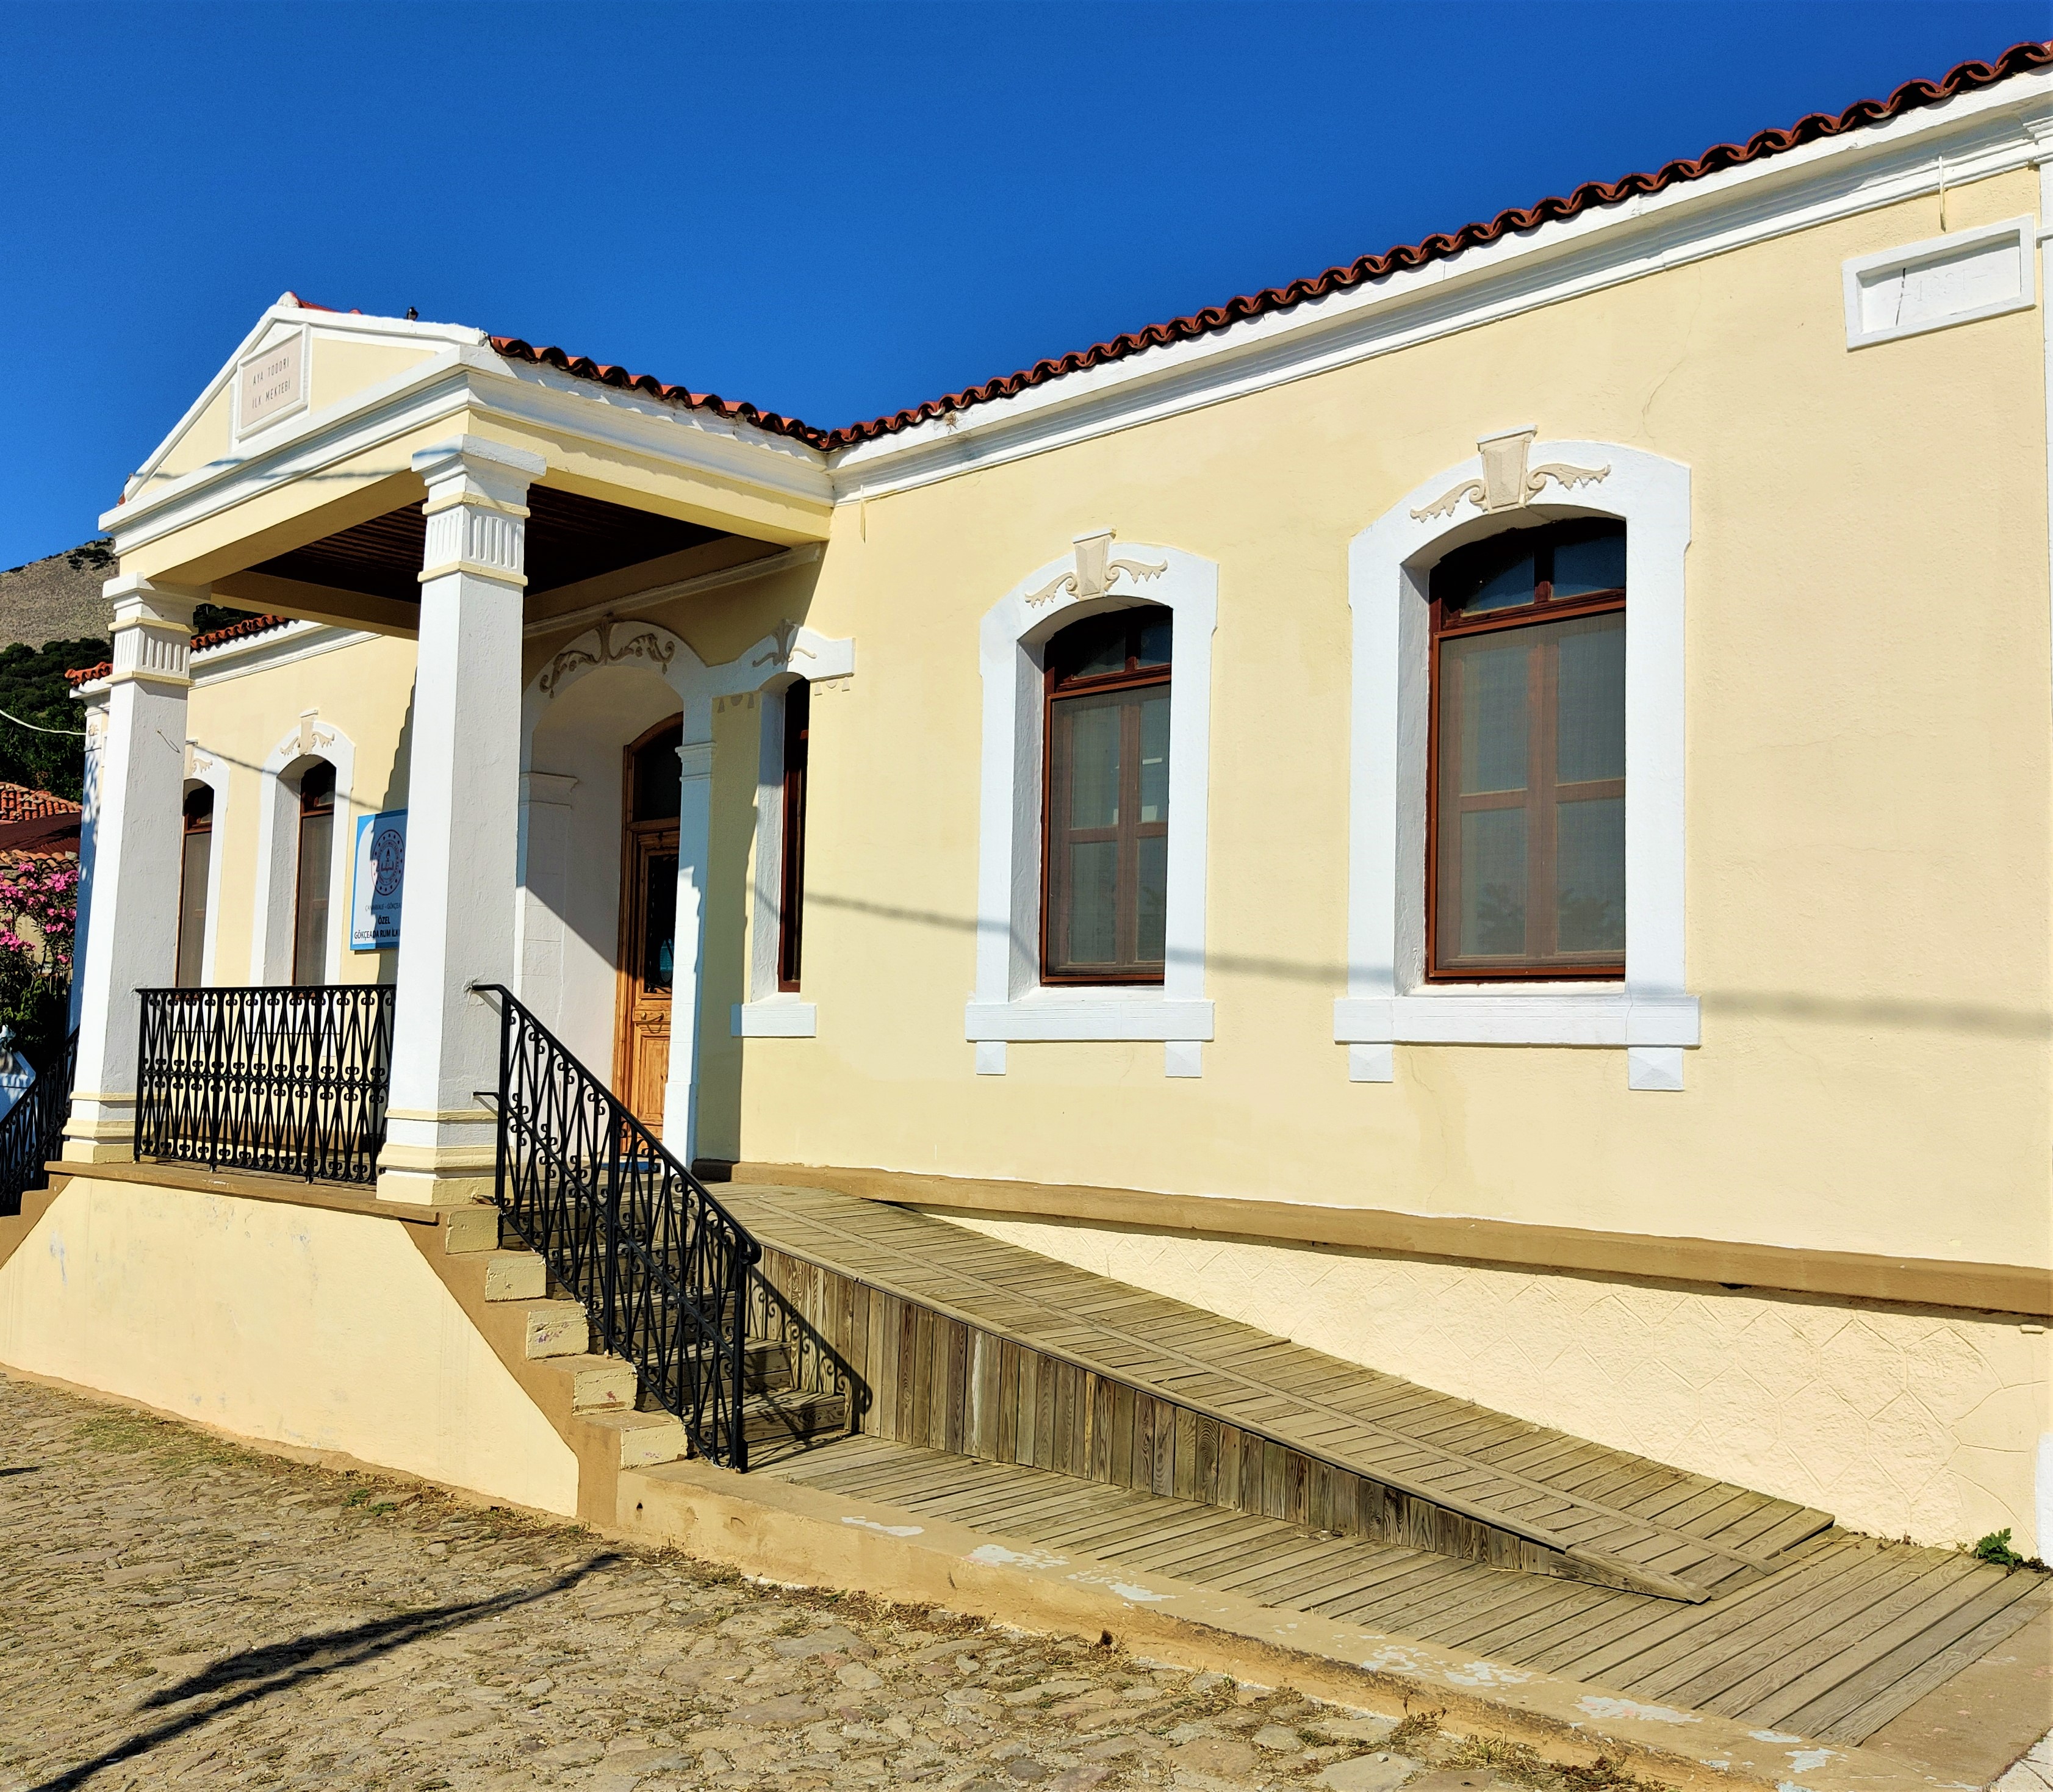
(271, 383)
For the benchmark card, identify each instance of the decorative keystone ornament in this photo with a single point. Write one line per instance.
(1096, 571)
(1507, 482)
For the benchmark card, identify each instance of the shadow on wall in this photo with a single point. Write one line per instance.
(1880, 1014)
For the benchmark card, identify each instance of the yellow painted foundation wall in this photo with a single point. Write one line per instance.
(291, 1325)
(1898, 1420)
(1867, 805)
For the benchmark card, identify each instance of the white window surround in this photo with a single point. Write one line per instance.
(1011, 1002)
(1389, 1002)
(770, 1012)
(203, 770)
(278, 848)
(1957, 278)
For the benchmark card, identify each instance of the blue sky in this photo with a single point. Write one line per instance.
(832, 210)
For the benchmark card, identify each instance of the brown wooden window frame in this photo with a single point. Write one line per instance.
(318, 804)
(1542, 708)
(1129, 971)
(792, 862)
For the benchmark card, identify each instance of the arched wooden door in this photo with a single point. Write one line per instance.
(648, 922)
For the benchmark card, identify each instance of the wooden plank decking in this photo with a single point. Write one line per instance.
(1844, 1633)
(971, 1345)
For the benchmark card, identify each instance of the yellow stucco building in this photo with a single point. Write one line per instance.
(1490, 813)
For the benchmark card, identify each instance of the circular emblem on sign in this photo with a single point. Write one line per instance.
(388, 853)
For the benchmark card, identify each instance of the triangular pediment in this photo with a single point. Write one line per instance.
(299, 361)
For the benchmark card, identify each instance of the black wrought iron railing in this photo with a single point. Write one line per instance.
(289, 1082)
(32, 1130)
(662, 1268)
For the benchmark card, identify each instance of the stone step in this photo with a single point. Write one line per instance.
(598, 1384)
(645, 1438)
(557, 1328)
(515, 1276)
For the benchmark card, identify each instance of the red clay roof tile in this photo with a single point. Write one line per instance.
(214, 637)
(1967, 77)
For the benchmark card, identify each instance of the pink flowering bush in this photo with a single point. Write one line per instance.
(38, 917)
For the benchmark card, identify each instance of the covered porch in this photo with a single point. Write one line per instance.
(541, 531)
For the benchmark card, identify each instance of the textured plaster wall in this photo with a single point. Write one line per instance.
(1898, 1421)
(290, 1324)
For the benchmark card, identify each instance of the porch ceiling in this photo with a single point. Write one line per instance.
(570, 537)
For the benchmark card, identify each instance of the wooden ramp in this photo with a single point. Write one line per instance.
(1846, 1633)
(969, 1346)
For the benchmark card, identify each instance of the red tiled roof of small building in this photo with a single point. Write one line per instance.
(1966, 78)
(19, 802)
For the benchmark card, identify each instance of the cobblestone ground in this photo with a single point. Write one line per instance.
(175, 1611)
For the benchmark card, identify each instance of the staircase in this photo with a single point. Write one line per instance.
(638, 1287)
(778, 1416)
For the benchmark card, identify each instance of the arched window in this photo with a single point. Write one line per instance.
(196, 852)
(791, 866)
(317, 858)
(1106, 818)
(1525, 815)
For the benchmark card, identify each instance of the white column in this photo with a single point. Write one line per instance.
(131, 906)
(455, 912)
(94, 709)
(680, 1093)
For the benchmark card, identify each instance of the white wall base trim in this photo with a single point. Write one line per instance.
(774, 1018)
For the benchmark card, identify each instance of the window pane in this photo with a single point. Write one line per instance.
(1154, 756)
(1092, 902)
(659, 921)
(1155, 639)
(1590, 728)
(1595, 563)
(1154, 897)
(310, 929)
(1488, 675)
(1589, 860)
(1091, 745)
(658, 778)
(192, 908)
(1492, 875)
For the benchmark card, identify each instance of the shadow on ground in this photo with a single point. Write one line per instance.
(238, 1681)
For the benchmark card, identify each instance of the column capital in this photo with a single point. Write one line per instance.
(152, 629)
(139, 601)
(474, 470)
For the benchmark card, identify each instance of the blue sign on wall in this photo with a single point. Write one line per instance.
(381, 871)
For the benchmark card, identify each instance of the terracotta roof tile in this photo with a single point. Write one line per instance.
(1967, 78)
(214, 637)
(19, 802)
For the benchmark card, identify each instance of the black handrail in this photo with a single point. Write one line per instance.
(662, 1268)
(32, 1131)
(286, 1081)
